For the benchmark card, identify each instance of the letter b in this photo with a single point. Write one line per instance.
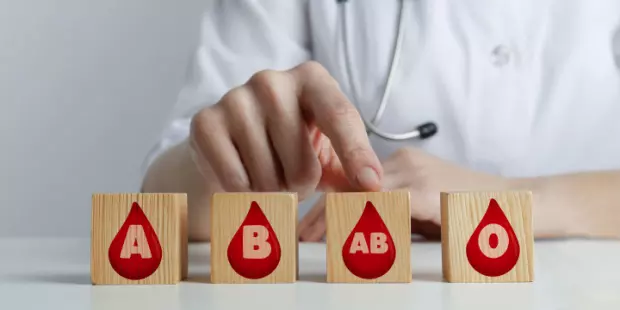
(255, 244)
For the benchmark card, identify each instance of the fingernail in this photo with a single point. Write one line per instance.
(368, 178)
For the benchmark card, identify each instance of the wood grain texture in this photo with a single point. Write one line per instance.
(167, 213)
(461, 213)
(183, 233)
(343, 211)
(228, 210)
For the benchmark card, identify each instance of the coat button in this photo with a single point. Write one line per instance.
(500, 56)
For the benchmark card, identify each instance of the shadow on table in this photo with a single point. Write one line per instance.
(427, 277)
(199, 278)
(417, 277)
(206, 278)
(318, 278)
(73, 279)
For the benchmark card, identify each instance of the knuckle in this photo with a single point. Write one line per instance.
(205, 123)
(235, 100)
(313, 68)
(413, 154)
(264, 79)
(404, 152)
(267, 85)
(317, 74)
(409, 157)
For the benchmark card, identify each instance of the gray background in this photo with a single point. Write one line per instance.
(79, 80)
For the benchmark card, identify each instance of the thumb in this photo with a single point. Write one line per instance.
(333, 176)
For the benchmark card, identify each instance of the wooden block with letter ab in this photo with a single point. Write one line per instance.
(368, 237)
(138, 238)
(487, 236)
(253, 238)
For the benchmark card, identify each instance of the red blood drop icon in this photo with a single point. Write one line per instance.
(254, 251)
(135, 252)
(493, 248)
(369, 250)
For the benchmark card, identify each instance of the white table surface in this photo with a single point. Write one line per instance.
(55, 274)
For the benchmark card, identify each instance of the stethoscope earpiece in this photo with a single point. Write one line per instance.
(427, 130)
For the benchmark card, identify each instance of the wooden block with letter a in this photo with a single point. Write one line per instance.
(368, 237)
(487, 236)
(138, 238)
(253, 238)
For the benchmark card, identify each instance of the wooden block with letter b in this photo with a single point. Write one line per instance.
(368, 237)
(253, 238)
(138, 238)
(487, 236)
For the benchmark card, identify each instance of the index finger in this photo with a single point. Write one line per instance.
(323, 102)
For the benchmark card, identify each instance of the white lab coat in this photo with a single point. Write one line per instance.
(516, 87)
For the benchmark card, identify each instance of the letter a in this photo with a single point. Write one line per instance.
(255, 244)
(358, 244)
(136, 243)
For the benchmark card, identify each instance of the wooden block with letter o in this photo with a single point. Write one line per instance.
(253, 238)
(368, 237)
(487, 236)
(138, 238)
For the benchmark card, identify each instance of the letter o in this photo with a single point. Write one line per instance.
(502, 240)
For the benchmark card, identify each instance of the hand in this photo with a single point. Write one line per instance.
(284, 131)
(425, 176)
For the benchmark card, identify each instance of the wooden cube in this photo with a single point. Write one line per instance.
(487, 236)
(138, 238)
(253, 238)
(368, 237)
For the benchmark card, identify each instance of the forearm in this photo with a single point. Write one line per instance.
(174, 171)
(583, 204)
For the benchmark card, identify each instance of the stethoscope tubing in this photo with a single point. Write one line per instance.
(422, 131)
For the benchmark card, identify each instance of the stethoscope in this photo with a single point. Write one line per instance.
(422, 131)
